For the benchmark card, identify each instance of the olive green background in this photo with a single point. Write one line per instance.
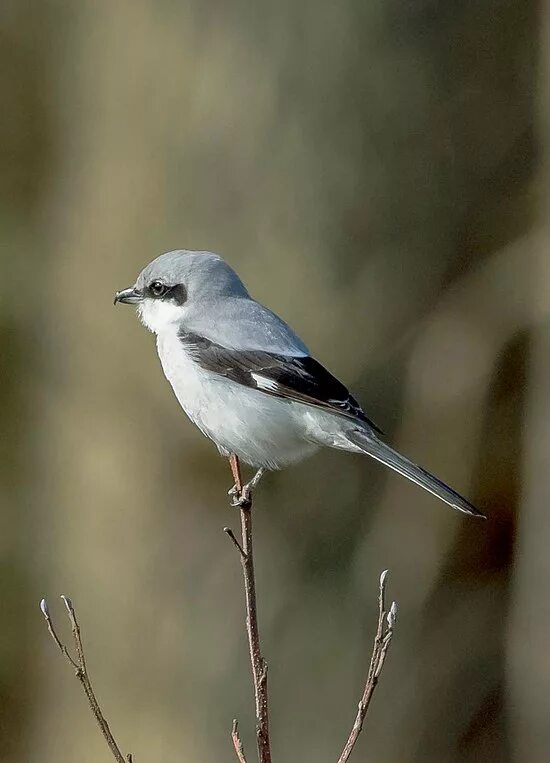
(375, 172)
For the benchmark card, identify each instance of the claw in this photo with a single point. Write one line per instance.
(241, 500)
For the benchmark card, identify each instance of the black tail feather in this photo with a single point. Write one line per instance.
(377, 449)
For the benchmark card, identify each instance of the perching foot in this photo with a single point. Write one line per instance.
(243, 499)
(240, 500)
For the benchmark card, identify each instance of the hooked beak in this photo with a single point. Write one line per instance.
(131, 296)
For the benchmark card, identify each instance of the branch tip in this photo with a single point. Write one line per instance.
(380, 648)
(237, 744)
(391, 617)
(68, 604)
(229, 532)
(81, 672)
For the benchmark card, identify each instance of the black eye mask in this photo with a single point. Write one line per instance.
(176, 294)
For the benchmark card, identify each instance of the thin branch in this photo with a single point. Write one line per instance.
(81, 671)
(259, 666)
(229, 532)
(384, 634)
(237, 744)
(382, 640)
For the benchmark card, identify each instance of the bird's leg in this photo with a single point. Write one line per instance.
(241, 494)
(236, 492)
(236, 472)
(253, 484)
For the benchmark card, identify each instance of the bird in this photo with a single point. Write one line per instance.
(248, 381)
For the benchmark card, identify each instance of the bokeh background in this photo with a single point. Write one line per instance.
(375, 171)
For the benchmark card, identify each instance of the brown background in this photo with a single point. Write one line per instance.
(374, 172)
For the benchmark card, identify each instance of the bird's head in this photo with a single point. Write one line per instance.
(177, 282)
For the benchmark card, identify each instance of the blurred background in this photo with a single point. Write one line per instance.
(375, 173)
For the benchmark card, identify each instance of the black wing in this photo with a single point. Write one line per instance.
(301, 379)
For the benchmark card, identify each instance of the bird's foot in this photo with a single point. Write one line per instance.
(240, 499)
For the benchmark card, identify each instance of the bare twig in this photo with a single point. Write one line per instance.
(384, 634)
(228, 531)
(237, 744)
(81, 671)
(259, 666)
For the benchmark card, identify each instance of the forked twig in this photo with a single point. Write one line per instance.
(384, 634)
(81, 671)
(259, 666)
(229, 532)
(382, 640)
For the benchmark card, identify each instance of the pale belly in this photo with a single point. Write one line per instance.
(260, 429)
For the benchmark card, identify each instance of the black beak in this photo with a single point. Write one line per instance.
(131, 296)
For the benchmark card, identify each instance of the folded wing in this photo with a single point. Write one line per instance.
(299, 379)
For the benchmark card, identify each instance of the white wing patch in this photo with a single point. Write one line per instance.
(263, 383)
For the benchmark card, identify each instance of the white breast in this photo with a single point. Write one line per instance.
(262, 430)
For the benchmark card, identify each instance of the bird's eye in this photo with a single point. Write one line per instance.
(157, 288)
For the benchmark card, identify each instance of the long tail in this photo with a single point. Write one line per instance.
(377, 449)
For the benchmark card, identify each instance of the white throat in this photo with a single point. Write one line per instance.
(159, 316)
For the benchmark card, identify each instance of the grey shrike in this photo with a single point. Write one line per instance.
(247, 380)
